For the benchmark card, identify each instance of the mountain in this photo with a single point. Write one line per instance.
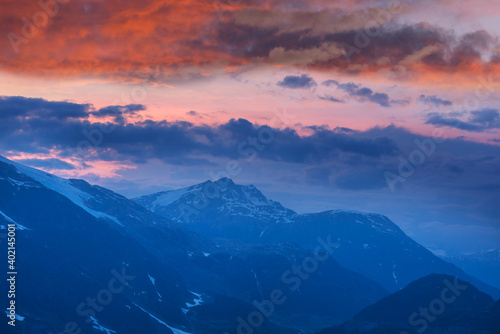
(372, 245)
(435, 304)
(219, 209)
(484, 265)
(367, 243)
(89, 259)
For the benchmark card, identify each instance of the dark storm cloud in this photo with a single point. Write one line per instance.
(434, 100)
(295, 82)
(478, 121)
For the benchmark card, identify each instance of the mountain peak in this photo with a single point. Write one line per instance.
(212, 199)
(225, 181)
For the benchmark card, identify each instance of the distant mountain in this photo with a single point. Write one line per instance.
(73, 239)
(367, 243)
(484, 265)
(370, 244)
(434, 304)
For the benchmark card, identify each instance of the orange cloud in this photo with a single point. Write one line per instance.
(119, 39)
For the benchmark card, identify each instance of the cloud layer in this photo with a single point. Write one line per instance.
(452, 176)
(122, 38)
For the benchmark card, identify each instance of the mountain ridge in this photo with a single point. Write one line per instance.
(370, 243)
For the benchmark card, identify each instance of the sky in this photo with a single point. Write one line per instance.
(379, 106)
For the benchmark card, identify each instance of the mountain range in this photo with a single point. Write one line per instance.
(212, 258)
(368, 243)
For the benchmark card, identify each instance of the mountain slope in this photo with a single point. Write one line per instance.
(435, 304)
(64, 255)
(484, 265)
(370, 244)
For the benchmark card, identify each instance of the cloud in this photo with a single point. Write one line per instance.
(185, 39)
(297, 82)
(330, 98)
(434, 100)
(451, 122)
(489, 117)
(322, 53)
(175, 142)
(18, 106)
(119, 112)
(50, 163)
(281, 37)
(478, 121)
(362, 94)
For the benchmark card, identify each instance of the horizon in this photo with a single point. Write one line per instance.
(481, 247)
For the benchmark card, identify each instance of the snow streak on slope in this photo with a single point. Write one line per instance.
(18, 226)
(168, 197)
(175, 330)
(153, 280)
(96, 325)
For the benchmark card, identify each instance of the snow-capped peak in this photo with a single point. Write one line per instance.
(222, 197)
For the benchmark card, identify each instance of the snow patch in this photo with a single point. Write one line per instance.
(154, 285)
(18, 317)
(174, 330)
(394, 274)
(167, 197)
(197, 301)
(96, 325)
(10, 220)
